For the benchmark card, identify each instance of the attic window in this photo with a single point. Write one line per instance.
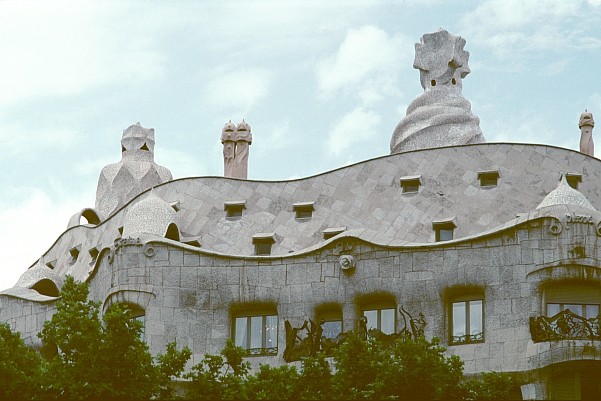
(444, 229)
(489, 178)
(233, 209)
(304, 210)
(411, 183)
(573, 180)
(263, 243)
(332, 232)
(74, 252)
(93, 254)
(144, 147)
(51, 264)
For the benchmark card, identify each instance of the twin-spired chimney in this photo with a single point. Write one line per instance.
(236, 142)
(586, 125)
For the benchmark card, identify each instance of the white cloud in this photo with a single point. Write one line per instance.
(65, 47)
(367, 62)
(236, 90)
(514, 27)
(17, 138)
(30, 227)
(356, 126)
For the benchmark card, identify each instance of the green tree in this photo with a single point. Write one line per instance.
(103, 358)
(315, 381)
(492, 386)
(220, 377)
(273, 383)
(20, 367)
(405, 369)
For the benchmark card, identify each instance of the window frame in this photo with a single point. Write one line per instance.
(444, 225)
(330, 316)
(467, 316)
(379, 307)
(562, 307)
(303, 210)
(262, 242)
(264, 350)
(489, 179)
(234, 210)
(413, 182)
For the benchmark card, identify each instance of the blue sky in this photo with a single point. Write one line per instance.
(321, 83)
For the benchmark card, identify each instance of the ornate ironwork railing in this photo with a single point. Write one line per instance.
(263, 351)
(468, 338)
(308, 339)
(565, 325)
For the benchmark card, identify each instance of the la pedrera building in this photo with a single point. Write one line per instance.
(495, 248)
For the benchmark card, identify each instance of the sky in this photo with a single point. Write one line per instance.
(322, 84)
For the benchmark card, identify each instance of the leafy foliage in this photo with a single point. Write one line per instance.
(20, 367)
(211, 379)
(492, 386)
(103, 358)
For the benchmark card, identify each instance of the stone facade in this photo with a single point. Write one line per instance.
(490, 226)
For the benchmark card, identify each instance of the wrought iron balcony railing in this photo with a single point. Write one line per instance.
(565, 325)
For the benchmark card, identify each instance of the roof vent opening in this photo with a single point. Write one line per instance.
(332, 232)
(410, 184)
(444, 230)
(46, 287)
(234, 209)
(93, 255)
(172, 232)
(263, 243)
(74, 254)
(573, 179)
(489, 178)
(303, 210)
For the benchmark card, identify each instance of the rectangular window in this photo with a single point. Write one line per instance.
(233, 209)
(488, 178)
(263, 243)
(304, 210)
(587, 311)
(467, 325)
(257, 334)
(410, 184)
(381, 319)
(443, 230)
